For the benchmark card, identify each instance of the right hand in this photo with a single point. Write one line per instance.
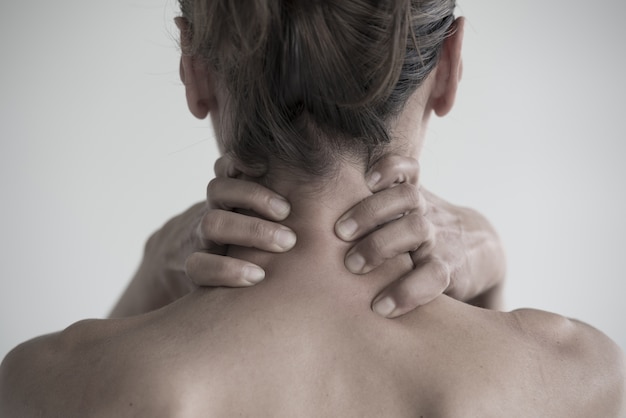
(193, 244)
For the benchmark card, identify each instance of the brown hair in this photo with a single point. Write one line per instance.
(312, 80)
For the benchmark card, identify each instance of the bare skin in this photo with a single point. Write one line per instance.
(305, 342)
(459, 253)
(190, 249)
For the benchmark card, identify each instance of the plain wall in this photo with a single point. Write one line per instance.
(98, 150)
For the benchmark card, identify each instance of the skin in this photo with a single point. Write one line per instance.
(459, 251)
(305, 342)
(186, 252)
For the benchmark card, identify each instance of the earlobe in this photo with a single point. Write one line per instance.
(195, 76)
(181, 71)
(449, 71)
(198, 88)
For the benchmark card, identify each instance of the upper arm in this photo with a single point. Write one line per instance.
(50, 375)
(24, 373)
(89, 368)
(578, 364)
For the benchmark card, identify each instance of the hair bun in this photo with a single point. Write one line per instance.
(312, 78)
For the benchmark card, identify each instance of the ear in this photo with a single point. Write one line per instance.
(195, 75)
(449, 71)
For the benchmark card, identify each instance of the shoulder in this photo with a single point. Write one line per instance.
(534, 363)
(89, 368)
(573, 361)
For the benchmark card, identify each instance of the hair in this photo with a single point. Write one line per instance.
(311, 81)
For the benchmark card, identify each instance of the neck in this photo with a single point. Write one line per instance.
(315, 208)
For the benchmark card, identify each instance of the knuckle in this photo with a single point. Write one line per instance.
(384, 163)
(411, 169)
(257, 195)
(391, 162)
(192, 265)
(417, 225)
(366, 210)
(211, 222)
(458, 287)
(424, 249)
(415, 167)
(430, 238)
(440, 272)
(405, 169)
(258, 229)
(387, 167)
(377, 248)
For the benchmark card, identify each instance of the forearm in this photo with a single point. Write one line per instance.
(479, 279)
(161, 278)
(144, 293)
(486, 260)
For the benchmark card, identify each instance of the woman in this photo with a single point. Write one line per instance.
(304, 341)
(459, 239)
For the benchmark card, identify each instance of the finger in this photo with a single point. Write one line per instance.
(225, 167)
(229, 166)
(393, 169)
(228, 194)
(206, 269)
(417, 288)
(403, 235)
(378, 209)
(229, 228)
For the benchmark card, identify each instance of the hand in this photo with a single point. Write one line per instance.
(188, 251)
(221, 226)
(454, 250)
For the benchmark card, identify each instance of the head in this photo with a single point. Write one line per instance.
(308, 84)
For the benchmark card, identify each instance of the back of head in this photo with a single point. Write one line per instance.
(310, 82)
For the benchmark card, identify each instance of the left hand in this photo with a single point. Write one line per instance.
(454, 250)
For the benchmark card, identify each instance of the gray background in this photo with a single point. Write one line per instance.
(97, 150)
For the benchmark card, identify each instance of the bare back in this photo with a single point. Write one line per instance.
(306, 343)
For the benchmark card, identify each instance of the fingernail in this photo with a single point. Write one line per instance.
(253, 274)
(280, 206)
(285, 239)
(347, 228)
(373, 179)
(355, 262)
(385, 306)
